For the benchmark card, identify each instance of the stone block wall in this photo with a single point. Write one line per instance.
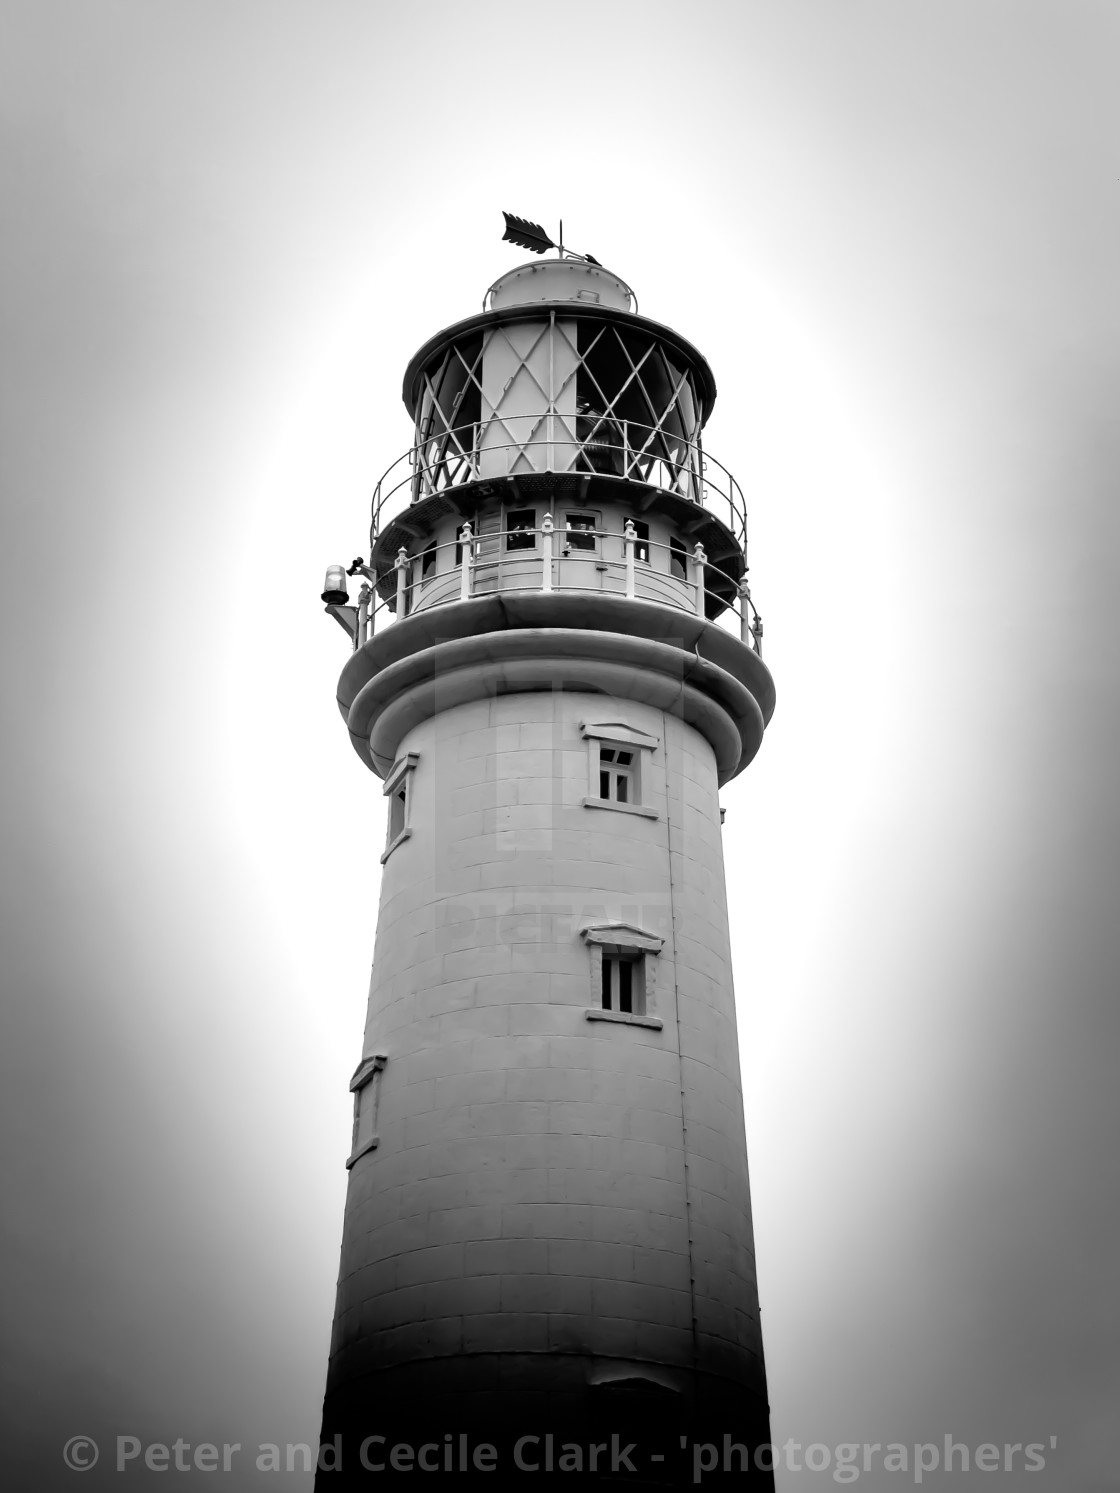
(544, 1183)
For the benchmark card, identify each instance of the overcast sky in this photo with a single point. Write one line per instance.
(891, 226)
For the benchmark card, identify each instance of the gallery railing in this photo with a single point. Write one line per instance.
(548, 559)
(555, 442)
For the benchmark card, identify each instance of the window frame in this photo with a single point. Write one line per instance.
(522, 538)
(366, 1089)
(397, 787)
(620, 943)
(617, 736)
(617, 773)
(624, 996)
(580, 550)
(641, 540)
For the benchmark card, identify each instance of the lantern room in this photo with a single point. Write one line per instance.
(559, 376)
(558, 445)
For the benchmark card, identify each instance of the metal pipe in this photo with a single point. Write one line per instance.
(547, 527)
(363, 616)
(466, 540)
(699, 561)
(745, 613)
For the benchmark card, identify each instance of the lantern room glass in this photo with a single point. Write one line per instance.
(621, 404)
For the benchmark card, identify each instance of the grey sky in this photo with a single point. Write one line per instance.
(892, 228)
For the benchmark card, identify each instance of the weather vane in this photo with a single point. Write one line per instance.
(532, 236)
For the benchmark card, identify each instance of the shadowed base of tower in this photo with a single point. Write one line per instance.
(490, 1418)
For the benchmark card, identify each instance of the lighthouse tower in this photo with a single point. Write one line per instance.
(547, 1257)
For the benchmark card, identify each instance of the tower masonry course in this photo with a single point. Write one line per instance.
(547, 1257)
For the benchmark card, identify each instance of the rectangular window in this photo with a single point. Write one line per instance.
(620, 771)
(398, 812)
(678, 558)
(521, 525)
(579, 531)
(641, 543)
(623, 968)
(398, 790)
(428, 561)
(622, 984)
(625, 985)
(365, 1114)
(366, 1088)
(616, 775)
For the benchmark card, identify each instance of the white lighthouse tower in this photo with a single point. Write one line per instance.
(547, 1249)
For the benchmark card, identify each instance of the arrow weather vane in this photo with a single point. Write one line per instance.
(532, 236)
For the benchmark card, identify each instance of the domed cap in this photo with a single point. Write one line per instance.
(560, 280)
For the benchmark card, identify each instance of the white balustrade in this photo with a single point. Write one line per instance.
(621, 576)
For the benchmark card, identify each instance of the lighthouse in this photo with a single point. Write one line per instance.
(547, 1258)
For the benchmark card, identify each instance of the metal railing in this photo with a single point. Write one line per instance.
(612, 447)
(547, 559)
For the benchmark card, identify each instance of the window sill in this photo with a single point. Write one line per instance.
(608, 803)
(392, 845)
(627, 1018)
(370, 1145)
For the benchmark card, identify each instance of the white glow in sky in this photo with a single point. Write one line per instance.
(892, 229)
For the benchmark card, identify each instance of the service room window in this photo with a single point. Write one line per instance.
(620, 767)
(623, 973)
(521, 524)
(579, 532)
(641, 541)
(366, 1089)
(678, 558)
(428, 561)
(398, 790)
